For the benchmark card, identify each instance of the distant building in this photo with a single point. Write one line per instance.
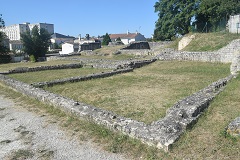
(127, 38)
(234, 24)
(15, 45)
(14, 31)
(69, 47)
(60, 38)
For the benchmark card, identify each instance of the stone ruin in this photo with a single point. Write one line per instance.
(161, 133)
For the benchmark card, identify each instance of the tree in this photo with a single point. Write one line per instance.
(119, 39)
(2, 23)
(3, 49)
(106, 39)
(215, 11)
(37, 42)
(174, 17)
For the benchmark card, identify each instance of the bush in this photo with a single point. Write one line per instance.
(5, 58)
(32, 58)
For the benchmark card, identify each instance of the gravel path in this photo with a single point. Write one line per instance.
(26, 135)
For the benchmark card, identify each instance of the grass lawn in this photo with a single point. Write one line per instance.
(146, 93)
(9, 66)
(42, 76)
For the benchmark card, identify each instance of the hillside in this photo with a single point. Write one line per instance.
(207, 41)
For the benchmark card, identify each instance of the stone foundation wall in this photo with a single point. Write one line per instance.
(224, 55)
(138, 52)
(42, 68)
(162, 133)
(81, 78)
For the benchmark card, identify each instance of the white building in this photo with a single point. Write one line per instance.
(14, 31)
(69, 47)
(234, 24)
(128, 37)
(60, 38)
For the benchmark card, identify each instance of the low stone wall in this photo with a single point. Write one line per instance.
(128, 67)
(42, 68)
(138, 52)
(235, 66)
(234, 127)
(81, 78)
(107, 63)
(162, 133)
(224, 55)
(190, 56)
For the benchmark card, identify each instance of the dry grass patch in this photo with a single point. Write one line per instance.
(9, 66)
(146, 93)
(42, 76)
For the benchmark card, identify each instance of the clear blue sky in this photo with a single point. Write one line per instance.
(73, 17)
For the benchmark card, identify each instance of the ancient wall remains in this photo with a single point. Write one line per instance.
(162, 133)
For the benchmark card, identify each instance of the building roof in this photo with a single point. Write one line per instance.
(57, 35)
(123, 36)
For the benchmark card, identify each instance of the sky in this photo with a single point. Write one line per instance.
(74, 17)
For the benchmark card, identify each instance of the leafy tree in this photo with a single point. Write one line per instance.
(3, 49)
(106, 39)
(2, 23)
(174, 17)
(214, 11)
(37, 42)
(118, 39)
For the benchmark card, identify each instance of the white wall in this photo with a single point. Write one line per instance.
(67, 48)
(232, 24)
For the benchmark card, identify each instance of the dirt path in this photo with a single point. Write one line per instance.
(26, 135)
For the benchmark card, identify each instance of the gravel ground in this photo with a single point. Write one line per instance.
(26, 135)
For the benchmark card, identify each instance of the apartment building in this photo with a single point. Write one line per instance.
(14, 31)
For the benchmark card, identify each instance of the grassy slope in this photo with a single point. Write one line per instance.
(208, 41)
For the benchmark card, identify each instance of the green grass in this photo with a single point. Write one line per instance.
(146, 93)
(210, 41)
(42, 76)
(9, 66)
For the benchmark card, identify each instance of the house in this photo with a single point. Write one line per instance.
(127, 38)
(60, 38)
(15, 45)
(90, 46)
